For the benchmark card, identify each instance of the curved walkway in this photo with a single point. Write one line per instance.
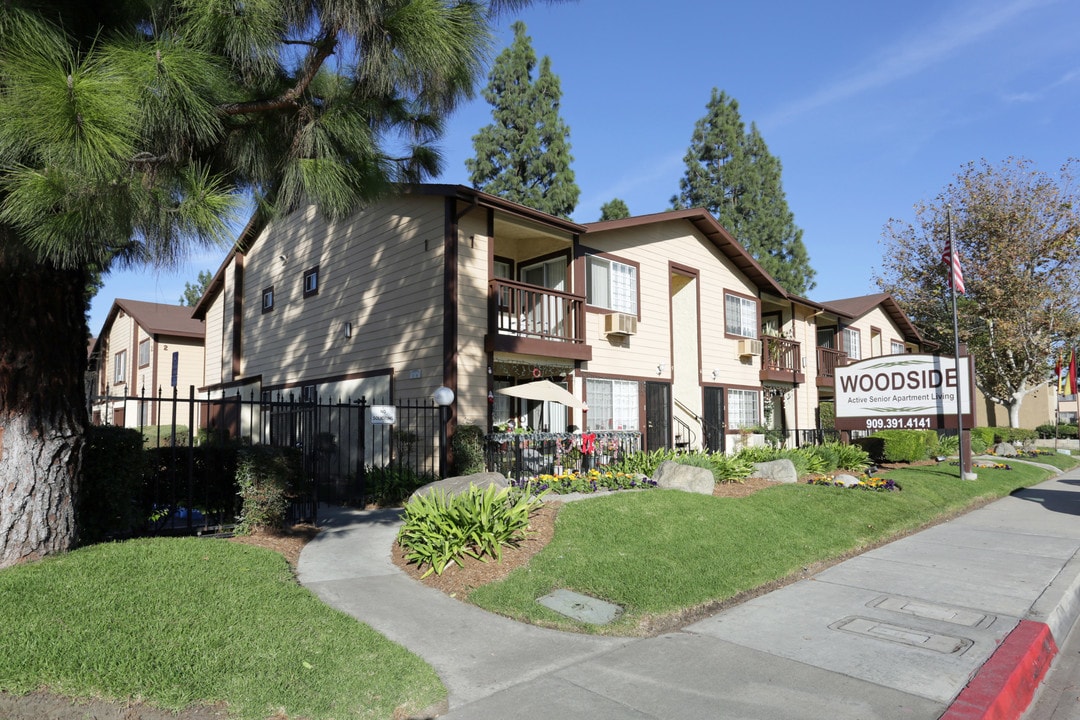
(897, 632)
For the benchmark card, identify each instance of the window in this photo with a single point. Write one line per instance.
(611, 285)
(268, 299)
(743, 409)
(144, 353)
(120, 367)
(613, 404)
(897, 348)
(740, 316)
(311, 282)
(852, 344)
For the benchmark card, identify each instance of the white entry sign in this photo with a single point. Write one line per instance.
(903, 385)
(383, 414)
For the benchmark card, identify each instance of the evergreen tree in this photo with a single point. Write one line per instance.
(731, 173)
(524, 155)
(614, 210)
(129, 131)
(193, 292)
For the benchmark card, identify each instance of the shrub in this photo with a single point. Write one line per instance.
(848, 457)
(107, 501)
(985, 436)
(949, 445)
(439, 529)
(162, 436)
(265, 475)
(468, 450)
(391, 485)
(1061, 430)
(643, 463)
(905, 445)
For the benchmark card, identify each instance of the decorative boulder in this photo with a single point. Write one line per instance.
(782, 471)
(1005, 450)
(454, 486)
(846, 480)
(675, 476)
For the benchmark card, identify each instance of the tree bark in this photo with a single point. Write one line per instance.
(43, 353)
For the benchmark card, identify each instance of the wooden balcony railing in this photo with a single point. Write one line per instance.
(827, 362)
(536, 320)
(781, 359)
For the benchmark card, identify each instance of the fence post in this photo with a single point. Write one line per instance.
(361, 431)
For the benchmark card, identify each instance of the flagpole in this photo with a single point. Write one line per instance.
(965, 467)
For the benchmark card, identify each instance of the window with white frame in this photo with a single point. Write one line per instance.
(740, 316)
(144, 353)
(120, 367)
(743, 408)
(853, 344)
(897, 348)
(311, 282)
(612, 285)
(268, 299)
(613, 404)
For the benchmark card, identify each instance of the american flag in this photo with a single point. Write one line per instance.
(952, 259)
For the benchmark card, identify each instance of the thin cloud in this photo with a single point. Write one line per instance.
(910, 56)
(1036, 95)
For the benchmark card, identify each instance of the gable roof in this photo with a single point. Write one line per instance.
(155, 318)
(856, 307)
(711, 228)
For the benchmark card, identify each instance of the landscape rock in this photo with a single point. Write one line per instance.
(782, 471)
(674, 476)
(454, 486)
(845, 480)
(1004, 450)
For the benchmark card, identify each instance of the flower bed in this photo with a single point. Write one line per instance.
(585, 482)
(876, 484)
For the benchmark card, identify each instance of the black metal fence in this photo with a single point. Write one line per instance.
(347, 448)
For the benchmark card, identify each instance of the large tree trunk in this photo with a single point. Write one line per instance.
(43, 350)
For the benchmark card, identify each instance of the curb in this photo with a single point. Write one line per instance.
(1005, 685)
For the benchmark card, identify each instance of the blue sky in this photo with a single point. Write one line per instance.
(870, 106)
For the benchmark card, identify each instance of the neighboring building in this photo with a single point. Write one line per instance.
(662, 324)
(144, 349)
(1043, 406)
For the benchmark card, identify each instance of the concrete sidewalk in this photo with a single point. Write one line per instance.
(958, 621)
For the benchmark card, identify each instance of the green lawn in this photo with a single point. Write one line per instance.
(186, 621)
(656, 553)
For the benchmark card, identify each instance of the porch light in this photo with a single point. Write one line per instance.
(443, 396)
(348, 330)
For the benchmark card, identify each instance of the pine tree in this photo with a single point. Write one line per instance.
(130, 131)
(193, 292)
(524, 155)
(731, 173)
(615, 209)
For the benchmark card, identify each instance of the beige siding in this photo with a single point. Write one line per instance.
(652, 246)
(381, 270)
(215, 355)
(472, 360)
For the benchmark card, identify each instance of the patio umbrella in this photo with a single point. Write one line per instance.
(543, 390)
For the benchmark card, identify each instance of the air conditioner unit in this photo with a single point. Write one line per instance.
(620, 324)
(749, 347)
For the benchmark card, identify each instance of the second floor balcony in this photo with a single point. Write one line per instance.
(535, 320)
(827, 362)
(781, 359)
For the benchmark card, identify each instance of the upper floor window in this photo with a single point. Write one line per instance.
(311, 282)
(144, 353)
(610, 284)
(852, 344)
(120, 367)
(740, 316)
(897, 348)
(268, 299)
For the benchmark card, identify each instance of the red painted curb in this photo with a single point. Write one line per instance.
(1006, 683)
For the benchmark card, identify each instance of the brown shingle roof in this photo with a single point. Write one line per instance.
(161, 319)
